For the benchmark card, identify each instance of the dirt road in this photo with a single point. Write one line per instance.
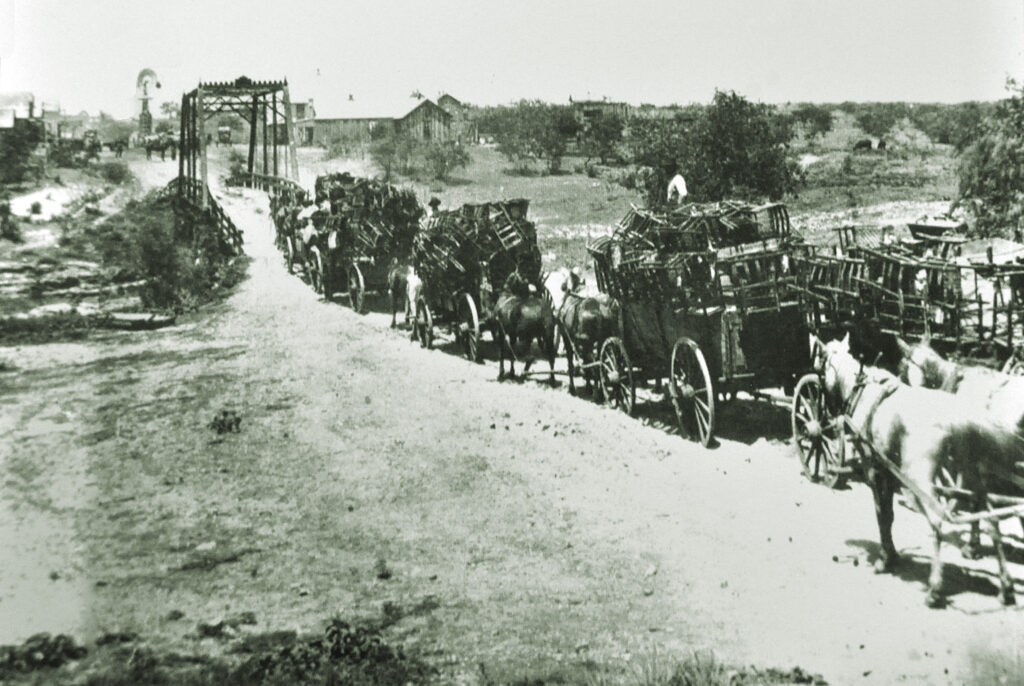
(505, 524)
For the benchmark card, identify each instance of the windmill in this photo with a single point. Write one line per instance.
(143, 84)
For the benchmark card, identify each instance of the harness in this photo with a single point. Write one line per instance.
(860, 416)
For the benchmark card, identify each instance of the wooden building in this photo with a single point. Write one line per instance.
(464, 128)
(356, 120)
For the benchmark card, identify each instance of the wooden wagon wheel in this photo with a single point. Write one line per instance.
(1014, 366)
(316, 271)
(469, 328)
(617, 383)
(692, 393)
(817, 434)
(356, 289)
(290, 246)
(424, 324)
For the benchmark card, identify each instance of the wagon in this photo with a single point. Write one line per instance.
(971, 310)
(463, 257)
(705, 304)
(365, 228)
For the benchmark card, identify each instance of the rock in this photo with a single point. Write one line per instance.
(580, 647)
(651, 571)
(215, 629)
(174, 615)
(648, 591)
(117, 637)
(209, 545)
(237, 620)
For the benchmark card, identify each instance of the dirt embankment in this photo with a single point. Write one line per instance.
(520, 528)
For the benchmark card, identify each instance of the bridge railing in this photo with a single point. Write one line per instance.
(190, 191)
(275, 185)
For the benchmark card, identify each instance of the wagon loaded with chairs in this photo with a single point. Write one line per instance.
(364, 228)
(464, 257)
(921, 394)
(701, 289)
(903, 302)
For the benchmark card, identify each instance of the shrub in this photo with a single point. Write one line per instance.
(238, 168)
(17, 145)
(116, 173)
(173, 247)
(991, 168)
(342, 146)
(443, 158)
(9, 229)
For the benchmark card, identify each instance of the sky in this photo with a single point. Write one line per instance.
(86, 54)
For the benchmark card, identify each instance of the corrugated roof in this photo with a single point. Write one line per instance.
(368, 109)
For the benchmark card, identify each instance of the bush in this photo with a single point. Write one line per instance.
(116, 173)
(991, 168)
(443, 158)
(238, 168)
(172, 246)
(9, 229)
(17, 146)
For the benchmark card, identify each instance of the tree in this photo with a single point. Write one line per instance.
(551, 127)
(443, 158)
(17, 145)
(732, 148)
(991, 168)
(602, 136)
(391, 150)
(876, 118)
(531, 130)
(817, 120)
(170, 110)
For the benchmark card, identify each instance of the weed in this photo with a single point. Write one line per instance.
(114, 172)
(226, 421)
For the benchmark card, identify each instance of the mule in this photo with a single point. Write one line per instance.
(586, 323)
(522, 316)
(923, 433)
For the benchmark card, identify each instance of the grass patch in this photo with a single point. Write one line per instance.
(342, 654)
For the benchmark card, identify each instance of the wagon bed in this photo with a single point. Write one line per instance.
(697, 305)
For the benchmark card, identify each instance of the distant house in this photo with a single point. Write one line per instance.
(16, 106)
(464, 128)
(588, 110)
(303, 119)
(355, 120)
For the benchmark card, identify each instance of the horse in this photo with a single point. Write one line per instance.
(400, 277)
(999, 395)
(923, 434)
(586, 322)
(521, 315)
(160, 142)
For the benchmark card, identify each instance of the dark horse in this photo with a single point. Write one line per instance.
(522, 315)
(586, 322)
(160, 143)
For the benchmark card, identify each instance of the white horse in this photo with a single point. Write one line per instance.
(923, 434)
